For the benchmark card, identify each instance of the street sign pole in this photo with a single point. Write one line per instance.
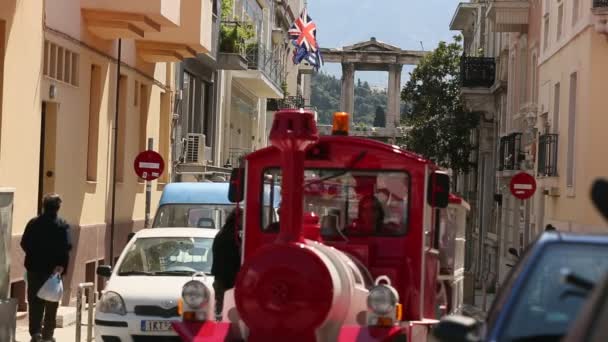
(148, 189)
(114, 155)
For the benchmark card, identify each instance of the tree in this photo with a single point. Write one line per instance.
(440, 127)
(380, 118)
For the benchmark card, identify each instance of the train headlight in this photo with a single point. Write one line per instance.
(381, 300)
(383, 304)
(195, 295)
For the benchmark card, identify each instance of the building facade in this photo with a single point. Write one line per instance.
(59, 90)
(535, 68)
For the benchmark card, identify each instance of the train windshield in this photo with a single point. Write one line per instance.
(350, 202)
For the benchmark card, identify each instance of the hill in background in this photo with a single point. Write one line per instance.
(326, 90)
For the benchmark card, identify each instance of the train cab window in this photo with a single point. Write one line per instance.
(350, 202)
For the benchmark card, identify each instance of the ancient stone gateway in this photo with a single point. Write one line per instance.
(373, 55)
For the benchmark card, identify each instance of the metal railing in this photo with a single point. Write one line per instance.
(90, 290)
(289, 102)
(477, 71)
(600, 3)
(262, 59)
(235, 155)
(547, 155)
(510, 152)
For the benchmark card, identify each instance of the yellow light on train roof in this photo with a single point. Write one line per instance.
(340, 124)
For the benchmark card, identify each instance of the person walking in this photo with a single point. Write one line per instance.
(47, 245)
(226, 259)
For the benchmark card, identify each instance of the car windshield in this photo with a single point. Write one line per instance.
(210, 216)
(546, 305)
(350, 202)
(167, 256)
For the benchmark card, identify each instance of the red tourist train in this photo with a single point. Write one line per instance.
(368, 244)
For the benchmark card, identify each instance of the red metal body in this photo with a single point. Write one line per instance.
(284, 290)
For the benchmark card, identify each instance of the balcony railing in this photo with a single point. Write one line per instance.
(235, 156)
(547, 155)
(600, 3)
(477, 71)
(510, 154)
(262, 59)
(231, 39)
(289, 102)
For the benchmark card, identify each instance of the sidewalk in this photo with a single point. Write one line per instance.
(65, 334)
(477, 311)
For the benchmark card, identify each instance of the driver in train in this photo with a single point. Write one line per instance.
(274, 227)
(370, 212)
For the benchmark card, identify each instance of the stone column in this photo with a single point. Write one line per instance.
(347, 102)
(394, 95)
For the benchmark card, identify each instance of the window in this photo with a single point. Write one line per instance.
(136, 93)
(60, 64)
(556, 93)
(121, 126)
(348, 202)
(167, 256)
(164, 132)
(560, 20)
(143, 118)
(571, 131)
(523, 76)
(95, 95)
(575, 11)
(546, 33)
(211, 216)
(534, 77)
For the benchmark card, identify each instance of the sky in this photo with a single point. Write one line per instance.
(403, 23)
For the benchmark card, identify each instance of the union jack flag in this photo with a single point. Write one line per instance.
(303, 33)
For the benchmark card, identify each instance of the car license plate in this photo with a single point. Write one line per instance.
(151, 326)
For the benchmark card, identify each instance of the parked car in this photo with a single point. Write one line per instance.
(590, 326)
(542, 295)
(143, 292)
(200, 205)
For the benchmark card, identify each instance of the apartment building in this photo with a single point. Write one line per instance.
(58, 90)
(572, 74)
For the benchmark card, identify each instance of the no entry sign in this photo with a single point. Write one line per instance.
(523, 186)
(149, 165)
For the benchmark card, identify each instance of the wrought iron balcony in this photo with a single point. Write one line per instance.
(262, 59)
(547, 155)
(289, 102)
(510, 154)
(600, 4)
(477, 72)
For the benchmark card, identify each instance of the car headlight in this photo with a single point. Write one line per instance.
(382, 300)
(112, 303)
(195, 294)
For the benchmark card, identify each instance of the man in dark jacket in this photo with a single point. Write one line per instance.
(226, 259)
(46, 243)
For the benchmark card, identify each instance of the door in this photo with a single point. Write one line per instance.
(48, 141)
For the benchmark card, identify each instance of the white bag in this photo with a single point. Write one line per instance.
(52, 290)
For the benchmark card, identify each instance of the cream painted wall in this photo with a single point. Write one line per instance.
(85, 203)
(585, 54)
(21, 106)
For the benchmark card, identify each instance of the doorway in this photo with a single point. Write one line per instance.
(48, 143)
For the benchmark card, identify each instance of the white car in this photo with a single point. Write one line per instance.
(144, 290)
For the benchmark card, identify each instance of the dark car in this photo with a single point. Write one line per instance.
(538, 301)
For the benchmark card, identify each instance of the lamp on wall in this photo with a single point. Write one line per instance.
(52, 91)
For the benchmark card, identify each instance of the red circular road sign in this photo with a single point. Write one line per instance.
(149, 165)
(523, 186)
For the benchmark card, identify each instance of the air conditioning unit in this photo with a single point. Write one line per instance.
(195, 148)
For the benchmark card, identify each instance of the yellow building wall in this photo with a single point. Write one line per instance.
(21, 105)
(573, 210)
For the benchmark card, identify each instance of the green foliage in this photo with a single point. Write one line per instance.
(326, 92)
(440, 126)
(235, 37)
(380, 118)
(227, 6)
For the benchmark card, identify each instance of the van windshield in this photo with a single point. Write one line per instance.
(209, 216)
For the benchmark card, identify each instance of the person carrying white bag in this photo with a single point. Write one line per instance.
(47, 245)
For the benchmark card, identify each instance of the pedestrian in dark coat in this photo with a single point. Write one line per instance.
(47, 244)
(226, 258)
